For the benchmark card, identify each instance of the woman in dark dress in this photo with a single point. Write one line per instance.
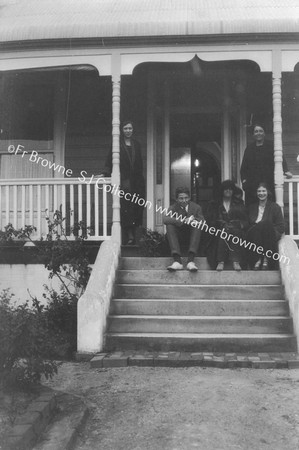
(131, 181)
(229, 215)
(266, 226)
(258, 165)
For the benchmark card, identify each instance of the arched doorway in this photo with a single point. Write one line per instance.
(195, 155)
(188, 104)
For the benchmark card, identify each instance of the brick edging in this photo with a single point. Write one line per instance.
(30, 425)
(200, 359)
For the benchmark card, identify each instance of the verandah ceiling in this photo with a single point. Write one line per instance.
(23, 20)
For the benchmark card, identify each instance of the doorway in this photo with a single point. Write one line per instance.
(195, 155)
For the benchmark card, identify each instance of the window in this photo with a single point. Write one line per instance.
(26, 119)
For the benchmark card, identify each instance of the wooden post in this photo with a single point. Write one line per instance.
(115, 177)
(150, 154)
(166, 143)
(226, 133)
(277, 127)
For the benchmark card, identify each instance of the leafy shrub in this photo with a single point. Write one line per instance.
(61, 317)
(153, 243)
(65, 259)
(8, 235)
(25, 343)
(32, 337)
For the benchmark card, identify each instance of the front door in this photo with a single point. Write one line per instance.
(195, 155)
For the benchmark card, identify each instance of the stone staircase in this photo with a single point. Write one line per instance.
(206, 311)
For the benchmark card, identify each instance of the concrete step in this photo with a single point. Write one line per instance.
(193, 307)
(206, 311)
(251, 343)
(220, 292)
(141, 263)
(148, 276)
(128, 251)
(200, 325)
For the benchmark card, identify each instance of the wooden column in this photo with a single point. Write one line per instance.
(242, 136)
(166, 145)
(60, 86)
(115, 177)
(226, 135)
(277, 127)
(150, 154)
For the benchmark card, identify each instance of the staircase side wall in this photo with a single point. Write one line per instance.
(289, 266)
(93, 306)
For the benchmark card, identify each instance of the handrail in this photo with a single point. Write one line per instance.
(289, 267)
(53, 181)
(94, 305)
(290, 180)
(293, 204)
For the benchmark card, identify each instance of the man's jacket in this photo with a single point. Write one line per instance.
(177, 215)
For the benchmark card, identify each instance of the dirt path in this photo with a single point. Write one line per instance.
(182, 409)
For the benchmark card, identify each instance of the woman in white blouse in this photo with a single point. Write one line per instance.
(266, 228)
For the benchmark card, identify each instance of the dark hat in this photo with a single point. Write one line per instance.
(228, 184)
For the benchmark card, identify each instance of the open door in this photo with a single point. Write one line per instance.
(195, 155)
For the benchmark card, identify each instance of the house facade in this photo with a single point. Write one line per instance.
(193, 76)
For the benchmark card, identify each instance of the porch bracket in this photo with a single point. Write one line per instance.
(115, 177)
(277, 127)
(131, 59)
(101, 62)
(290, 59)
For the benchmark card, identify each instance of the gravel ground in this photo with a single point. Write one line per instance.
(185, 408)
(13, 403)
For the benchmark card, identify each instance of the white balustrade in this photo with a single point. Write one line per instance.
(291, 201)
(31, 201)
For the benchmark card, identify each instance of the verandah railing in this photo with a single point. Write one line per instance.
(31, 201)
(291, 209)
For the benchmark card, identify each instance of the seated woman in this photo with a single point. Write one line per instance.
(266, 226)
(228, 216)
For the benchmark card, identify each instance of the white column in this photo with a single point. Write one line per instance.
(166, 142)
(60, 113)
(242, 126)
(226, 135)
(115, 177)
(277, 127)
(150, 155)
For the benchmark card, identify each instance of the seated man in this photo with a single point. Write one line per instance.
(183, 221)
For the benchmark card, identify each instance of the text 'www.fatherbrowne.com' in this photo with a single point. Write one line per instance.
(101, 183)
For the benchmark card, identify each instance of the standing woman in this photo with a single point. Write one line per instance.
(131, 181)
(266, 226)
(258, 165)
